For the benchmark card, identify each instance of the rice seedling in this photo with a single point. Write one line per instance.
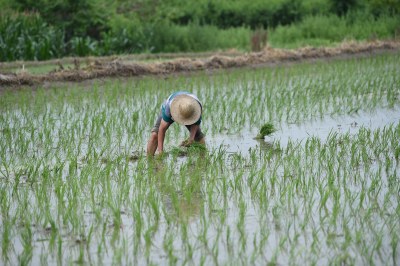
(266, 130)
(77, 187)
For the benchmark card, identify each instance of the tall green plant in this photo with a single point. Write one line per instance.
(77, 18)
(342, 7)
(324, 30)
(27, 37)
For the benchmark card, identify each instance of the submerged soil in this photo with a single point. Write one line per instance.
(120, 68)
(299, 133)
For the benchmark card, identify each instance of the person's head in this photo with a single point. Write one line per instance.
(185, 110)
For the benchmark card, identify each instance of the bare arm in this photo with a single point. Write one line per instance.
(193, 131)
(161, 135)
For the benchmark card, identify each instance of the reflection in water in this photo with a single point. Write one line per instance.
(265, 145)
(243, 142)
(181, 194)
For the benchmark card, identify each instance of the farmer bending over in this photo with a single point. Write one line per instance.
(185, 109)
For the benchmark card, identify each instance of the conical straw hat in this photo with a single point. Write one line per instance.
(185, 110)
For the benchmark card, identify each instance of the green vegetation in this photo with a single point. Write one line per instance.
(29, 37)
(76, 186)
(41, 29)
(324, 30)
(266, 129)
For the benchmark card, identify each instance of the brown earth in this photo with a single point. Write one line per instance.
(118, 68)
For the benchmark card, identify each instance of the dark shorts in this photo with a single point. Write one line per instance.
(199, 135)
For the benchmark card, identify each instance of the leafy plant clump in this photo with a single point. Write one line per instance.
(194, 148)
(266, 130)
(197, 147)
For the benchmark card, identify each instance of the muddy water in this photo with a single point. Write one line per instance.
(255, 219)
(247, 206)
(244, 141)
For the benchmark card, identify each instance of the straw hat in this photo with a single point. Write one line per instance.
(185, 109)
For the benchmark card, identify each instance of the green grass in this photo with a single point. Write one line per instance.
(322, 30)
(28, 37)
(40, 69)
(71, 193)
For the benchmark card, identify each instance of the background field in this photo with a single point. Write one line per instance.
(41, 29)
(77, 188)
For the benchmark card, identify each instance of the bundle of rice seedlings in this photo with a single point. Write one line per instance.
(266, 130)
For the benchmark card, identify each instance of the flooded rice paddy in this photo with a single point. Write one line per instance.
(76, 186)
(322, 129)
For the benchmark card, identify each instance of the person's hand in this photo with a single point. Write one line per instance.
(187, 143)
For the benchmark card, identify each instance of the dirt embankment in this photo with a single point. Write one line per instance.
(117, 68)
